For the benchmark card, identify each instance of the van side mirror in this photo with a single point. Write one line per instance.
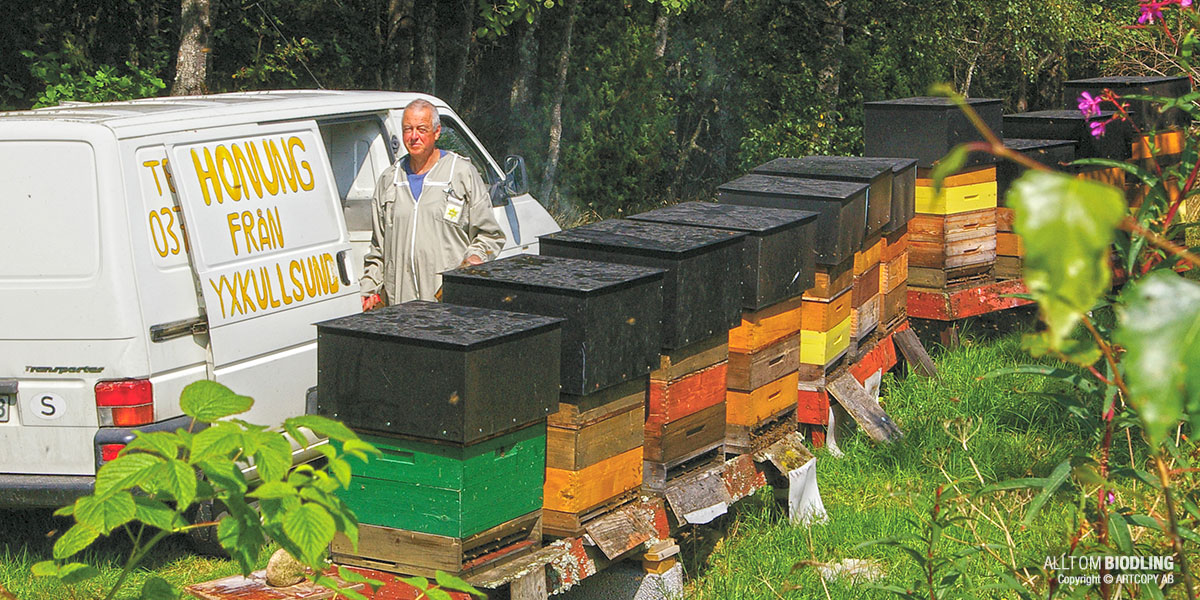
(516, 179)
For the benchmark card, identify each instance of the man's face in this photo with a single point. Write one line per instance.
(419, 134)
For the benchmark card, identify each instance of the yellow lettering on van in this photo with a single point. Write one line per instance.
(157, 232)
(260, 291)
(295, 269)
(151, 164)
(224, 283)
(170, 214)
(208, 174)
(276, 226)
(264, 275)
(246, 172)
(166, 165)
(231, 182)
(248, 229)
(311, 286)
(291, 144)
(241, 283)
(330, 267)
(270, 183)
(235, 226)
(277, 163)
(287, 298)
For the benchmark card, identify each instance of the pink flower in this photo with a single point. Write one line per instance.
(1097, 128)
(1089, 105)
(1185, 3)
(1152, 11)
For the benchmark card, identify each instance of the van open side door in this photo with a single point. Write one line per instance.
(269, 249)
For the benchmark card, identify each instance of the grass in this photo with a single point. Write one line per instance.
(1004, 427)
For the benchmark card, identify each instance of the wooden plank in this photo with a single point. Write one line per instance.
(865, 319)
(1005, 217)
(669, 441)
(953, 227)
(671, 401)
(819, 348)
(515, 571)
(1009, 267)
(753, 370)
(254, 587)
(895, 243)
(563, 524)
(893, 273)
(699, 497)
(976, 196)
(813, 407)
(530, 587)
(742, 477)
(967, 177)
(914, 353)
(831, 280)
(753, 407)
(573, 567)
(943, 278)
(1009, 244)
(577, 448)
(961, 253)
(577, 411)
(869, 256)
(823, 315)
(865, 287)
(620, 531)
(865, 409)
(576, 491)
(691, 358)
(762, 328)
(787, 454)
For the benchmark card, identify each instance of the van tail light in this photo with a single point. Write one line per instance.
(109, 452)
(125, 403)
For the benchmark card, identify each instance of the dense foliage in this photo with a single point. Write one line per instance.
(664, 98)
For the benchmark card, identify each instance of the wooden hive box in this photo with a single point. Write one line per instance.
(955, 240)
(904, 193)
(702, 287)
(823, 347)
(894, 306)
(842, 207)
(832, 280)
(452, 373)
(746, 411)
(926, 128)
(968, 191)
(761, 328)
(893, 273)
(824, 315)
(612, 313)
(684, 415)
(446, 489)
(1052, 153)
(1116, 143)
(876, 174)
(778, 254)
(1145, 114)
(751, 370)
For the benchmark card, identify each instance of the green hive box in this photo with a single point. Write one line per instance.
(449, 490)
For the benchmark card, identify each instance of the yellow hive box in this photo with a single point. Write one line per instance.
(952, 200)
(820, 347)
(575, 491)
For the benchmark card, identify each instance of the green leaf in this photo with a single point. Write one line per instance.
(127, 471)
(948, 165)
(105, 513)
(1015, 484)
(1067, 226)
(311, 528)
(418, 582)
(78, 537)
(324, 426)
(360, 449)
(45, 568)
(451, 582)
(156, 514)
(178, 479)
(209, 401)
(352, 576)
(1160, 331)
(340, 469)
(1076, 380)
(1118, 530)
(65, 511)
(157, 588)
(242, 539)
(219, 441)
(72, 573)
(273, 456)
(1053, 482)
(225, 474)
(161, 443)
(273, 489)
(438, 594)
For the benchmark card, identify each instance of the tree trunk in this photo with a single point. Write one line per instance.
(426, 46)
(191, 67)
(519, 95)
(466, 39)
(661, 26)
(560, 89)
(398, 45)
(833, 44)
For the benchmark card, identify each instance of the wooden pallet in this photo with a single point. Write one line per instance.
(955, 278)
(558, 524)
(411, 553)
(952, 305)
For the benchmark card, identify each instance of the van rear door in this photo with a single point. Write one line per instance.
(268, 245)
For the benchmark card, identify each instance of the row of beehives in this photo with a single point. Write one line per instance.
(548, 389)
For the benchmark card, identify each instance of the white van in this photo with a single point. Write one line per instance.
(109, 305)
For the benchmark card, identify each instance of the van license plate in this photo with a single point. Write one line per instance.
(6, 407)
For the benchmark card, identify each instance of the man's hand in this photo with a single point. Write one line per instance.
(371, 301)
(470, 261)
